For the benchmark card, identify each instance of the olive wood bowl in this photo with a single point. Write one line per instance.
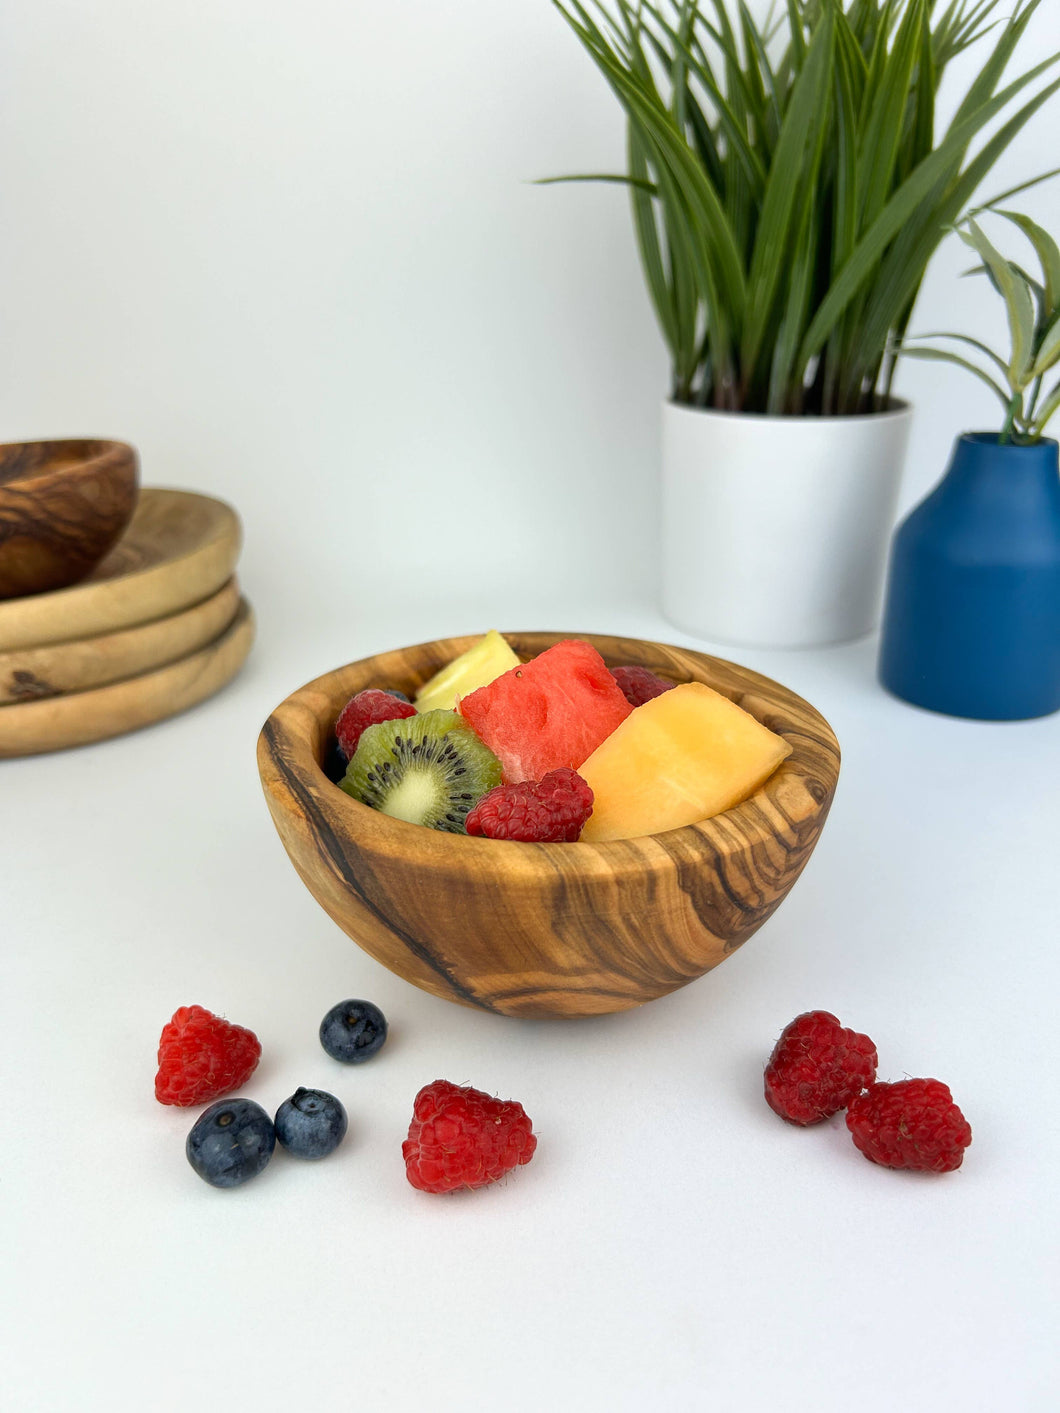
(63, 506)
(546, 929)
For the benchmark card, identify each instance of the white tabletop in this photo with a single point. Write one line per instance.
(295, 254)
(673, 1244)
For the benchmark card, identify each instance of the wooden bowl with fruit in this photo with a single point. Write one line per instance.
(553, 825)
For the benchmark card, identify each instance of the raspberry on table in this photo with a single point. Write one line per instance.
(201, 1056)
(639, 685)
(551, 810)
(912, 1124)
(366, 709)
(461, 1137)
(817, 1067)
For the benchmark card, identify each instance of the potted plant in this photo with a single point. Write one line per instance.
(788, 189)
(972, 620)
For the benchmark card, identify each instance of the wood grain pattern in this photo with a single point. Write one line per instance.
(547, 929)
(59, 722)
(63, 505)
(178, 550)
(31, 674)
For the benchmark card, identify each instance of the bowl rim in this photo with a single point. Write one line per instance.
(84, 455)
(293, 775)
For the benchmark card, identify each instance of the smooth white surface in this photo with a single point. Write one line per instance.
(775, 530)
(672, 1243)
(292, 252)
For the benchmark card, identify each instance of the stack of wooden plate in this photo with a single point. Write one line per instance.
(156, 628)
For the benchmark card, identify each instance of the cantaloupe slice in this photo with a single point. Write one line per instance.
(682, 757)
(482, 664)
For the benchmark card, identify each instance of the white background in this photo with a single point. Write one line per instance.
(294, 254)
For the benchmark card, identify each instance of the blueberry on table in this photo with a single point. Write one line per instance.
(353, 1031)
(311, 1124)
(231, 1142)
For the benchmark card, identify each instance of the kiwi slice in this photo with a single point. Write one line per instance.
(430, 769)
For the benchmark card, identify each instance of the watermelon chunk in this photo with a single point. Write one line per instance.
(550, 712)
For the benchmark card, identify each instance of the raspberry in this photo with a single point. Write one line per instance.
(201, 1057)
(549, 811)
(816, 1068)
(464, 1138)
(912, 1124)
(639, 685)
(366, 709)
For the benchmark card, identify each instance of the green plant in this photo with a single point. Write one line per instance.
(787, 185)
(1033, 308)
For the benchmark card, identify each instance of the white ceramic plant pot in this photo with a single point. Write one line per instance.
(775, 529)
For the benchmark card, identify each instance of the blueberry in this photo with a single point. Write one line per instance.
(334, 763)
(353, 1031)
(311, 1124)
(231, 1142)
(393, 692)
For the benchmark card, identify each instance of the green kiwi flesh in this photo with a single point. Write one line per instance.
(430, 769)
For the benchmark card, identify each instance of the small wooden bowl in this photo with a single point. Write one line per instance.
(63, 506)
(546, 929)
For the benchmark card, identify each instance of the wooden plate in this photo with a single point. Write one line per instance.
(30, 674)
(30, 728)
(178, 550)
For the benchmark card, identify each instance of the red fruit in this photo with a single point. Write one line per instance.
(639, 685)
(366, 709)
(912, 1124)
(817, 1068)
(201, 1057)
(550, 811)
(464, 1138)
(549, 712)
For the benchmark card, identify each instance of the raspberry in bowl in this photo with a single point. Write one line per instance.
(544, 929)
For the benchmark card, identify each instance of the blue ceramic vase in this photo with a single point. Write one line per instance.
(972, 612)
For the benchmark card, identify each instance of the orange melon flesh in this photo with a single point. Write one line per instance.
(682, 757)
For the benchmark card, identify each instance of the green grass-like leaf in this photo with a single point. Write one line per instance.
(1019, 303)
(1047, 250)
(788, 186)
(1046, 413)
(1049, 353)
(1034, 329)
(942, 355)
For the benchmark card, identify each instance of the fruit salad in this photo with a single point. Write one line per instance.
(551, 750)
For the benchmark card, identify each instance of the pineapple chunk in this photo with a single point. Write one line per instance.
(680, 758)
(478, 667)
